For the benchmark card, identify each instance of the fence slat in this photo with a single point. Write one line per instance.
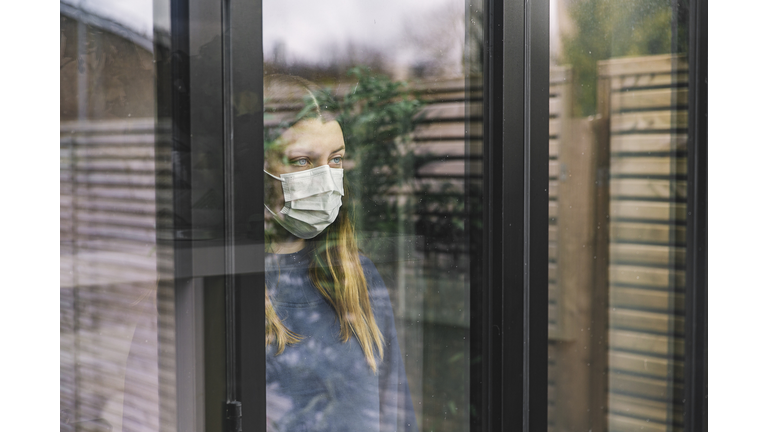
(649, 189)
(647, 99)
(648, 121)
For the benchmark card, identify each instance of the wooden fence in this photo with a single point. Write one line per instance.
(617, 251)
(560, 115)
(647, 106)
(108, 276)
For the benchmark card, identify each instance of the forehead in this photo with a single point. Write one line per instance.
(310, 136)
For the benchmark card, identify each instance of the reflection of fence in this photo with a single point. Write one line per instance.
(450, 137)
(108, 273)
(560, 113)
(647, 108)
(108, 258)
(617, 262)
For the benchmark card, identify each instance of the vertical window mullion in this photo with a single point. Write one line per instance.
(515, 289)
(695, 405)
(245, 218)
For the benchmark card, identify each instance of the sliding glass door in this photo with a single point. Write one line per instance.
(439, 215)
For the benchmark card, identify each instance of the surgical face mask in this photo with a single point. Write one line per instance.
(312, 200)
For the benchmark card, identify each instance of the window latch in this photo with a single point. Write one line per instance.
(234, 416)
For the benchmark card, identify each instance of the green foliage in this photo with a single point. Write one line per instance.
(617, 28)
(377, 116)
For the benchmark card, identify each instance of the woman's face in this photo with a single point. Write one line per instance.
(308, 144)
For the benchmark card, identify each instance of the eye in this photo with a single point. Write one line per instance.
(300, 162)
(337, 160)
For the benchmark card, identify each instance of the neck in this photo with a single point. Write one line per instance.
(286, 247)
(280, 241)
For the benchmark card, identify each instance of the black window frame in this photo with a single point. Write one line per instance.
(509, 310)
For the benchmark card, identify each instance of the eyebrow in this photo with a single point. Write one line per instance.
(311, 152)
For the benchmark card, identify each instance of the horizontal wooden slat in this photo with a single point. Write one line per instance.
(552, 250)
(648, 188)
(440, 131)
(450, 110)
(642, 143)
(106, 178)
(107, 204)
(553, 189)
(123, 165)
(658, 64)
(662, 301)
(112, 126)
(619, 423)
(646, 99)
(638, 364)
(94, 230)
(645, 276)
(140, 150)
(451, 95)
(663, 256)
(641, 386)
(649, 121)
(114, 142)
(649, 80)
(146, 220)
(554, 169)
(456, 148)
(645, 321)
(645, 166)
(554, 147)
(450, 168)
(646, 232)
(93, 192)
(552, 271)
(556, 107)
(643, 409)
(127, 268)
(656, 211)
(555, 127)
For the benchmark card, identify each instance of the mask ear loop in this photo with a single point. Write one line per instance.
(276, 178)
(265, 204)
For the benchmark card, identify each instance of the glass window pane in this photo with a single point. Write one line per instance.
(109, 304)
(398, 86)
(618, 131)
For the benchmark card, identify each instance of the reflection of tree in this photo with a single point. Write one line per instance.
(339, 60)
(394, 205)
(615, 28)
(377, 116)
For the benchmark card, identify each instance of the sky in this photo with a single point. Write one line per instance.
(133, 14)
(309, 27)
(310, 31)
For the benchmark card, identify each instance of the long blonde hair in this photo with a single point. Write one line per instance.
(334, 269)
